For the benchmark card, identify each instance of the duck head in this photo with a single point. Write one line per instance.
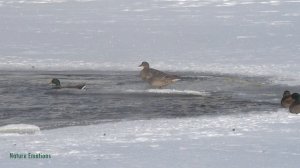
(286, 93)
(56, 82)
(296, 97)
(145, 65)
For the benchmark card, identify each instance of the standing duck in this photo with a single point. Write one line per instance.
(287, 99)
(155, 77)
(57, 85)
(295, 107)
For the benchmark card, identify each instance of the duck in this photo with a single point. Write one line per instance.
(295, 106)
(156, 78)
(57, 85)
(287, 99)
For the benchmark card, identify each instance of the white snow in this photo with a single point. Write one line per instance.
(226, 36)
(19, 129)
(244, 140)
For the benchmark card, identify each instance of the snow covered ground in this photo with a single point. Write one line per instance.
(269, 140)
(256, 37)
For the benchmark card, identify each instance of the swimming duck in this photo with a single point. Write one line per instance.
(295, 106)
(155, 77)
(57, 85)
(287, 99)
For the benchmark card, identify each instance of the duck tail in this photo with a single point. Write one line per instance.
(83, 87)
(174, 80)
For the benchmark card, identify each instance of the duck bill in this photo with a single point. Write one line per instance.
(140, 65)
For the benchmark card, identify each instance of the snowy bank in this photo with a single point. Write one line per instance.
(264, 139)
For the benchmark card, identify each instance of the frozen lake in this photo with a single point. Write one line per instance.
(231, 36)
(236, 58)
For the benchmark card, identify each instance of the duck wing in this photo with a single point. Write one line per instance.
(156, 74)
(287, 101)
(79, 86)
(295, 108)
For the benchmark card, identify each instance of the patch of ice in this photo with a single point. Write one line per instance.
(292, 14)
(19, 129)
(85, 0)
(228, 3)
(292, 1)
(42, 1)
(280, 23)
(274, 3)
(245, 37)
(170, 91)
(247, 3)
(270, 11)
(225, 16)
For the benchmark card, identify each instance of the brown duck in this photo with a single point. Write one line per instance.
(287, 99)
(295, 106)
(155, 77)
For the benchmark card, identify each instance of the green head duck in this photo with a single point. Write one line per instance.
(56, 82)
(296, 97)
(57, 85)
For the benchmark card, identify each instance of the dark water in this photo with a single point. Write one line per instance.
(26, 97)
